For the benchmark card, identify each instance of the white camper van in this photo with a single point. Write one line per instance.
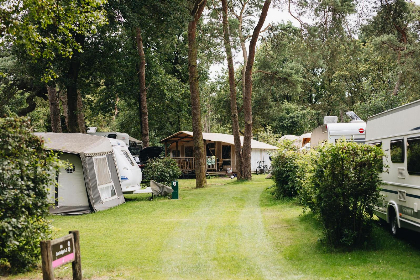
(130, 173)
(398, 132)
(331, 130)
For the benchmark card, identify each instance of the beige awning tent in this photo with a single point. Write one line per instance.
(90, 181)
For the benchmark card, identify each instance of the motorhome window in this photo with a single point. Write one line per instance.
(377, 144)
(112, 135)
(397, 151)
(129, 158)
(413, 156)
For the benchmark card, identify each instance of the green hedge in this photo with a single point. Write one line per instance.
(286, 171)
(345, 187)
(25, 173)
(339, 183)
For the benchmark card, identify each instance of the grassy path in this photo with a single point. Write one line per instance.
(229, 230)
(224, 238)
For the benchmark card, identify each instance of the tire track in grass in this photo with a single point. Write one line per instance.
(188, 251)
(224, 238)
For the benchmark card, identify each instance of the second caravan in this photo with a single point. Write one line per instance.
(332, 130)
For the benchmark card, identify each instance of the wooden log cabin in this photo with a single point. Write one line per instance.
(220, 151)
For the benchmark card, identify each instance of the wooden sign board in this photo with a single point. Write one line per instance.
(61, 251)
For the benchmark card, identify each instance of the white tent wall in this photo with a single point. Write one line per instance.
(259, 155)
(71, 185)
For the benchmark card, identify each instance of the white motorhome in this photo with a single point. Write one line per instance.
(331, 130)
(398, 132)
(130, 173)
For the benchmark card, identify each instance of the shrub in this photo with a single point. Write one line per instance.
(286, 171)
(25, 173)
(345, 188)
(307, 162)
(162, 170)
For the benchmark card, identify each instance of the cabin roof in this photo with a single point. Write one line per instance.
(187, 136)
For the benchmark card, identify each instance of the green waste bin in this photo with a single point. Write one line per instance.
(175, 188)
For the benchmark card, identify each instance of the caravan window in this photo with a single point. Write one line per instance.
(397, 151)
(103, 177)
(129, 158)
(413, 156)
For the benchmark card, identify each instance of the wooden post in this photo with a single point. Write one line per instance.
(46, 255)
(76, 264)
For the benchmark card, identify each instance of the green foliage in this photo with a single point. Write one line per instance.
(285, 170)
(162, 170)
(26, 170)
(345, 188)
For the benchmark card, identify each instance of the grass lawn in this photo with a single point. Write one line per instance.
(229, 230)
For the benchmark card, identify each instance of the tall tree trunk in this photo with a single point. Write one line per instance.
(232, 88)
(144, 113)
(72, 89)
(80, 114)
(54, 109)
(63, 98)
(246, 152)
(199, 149)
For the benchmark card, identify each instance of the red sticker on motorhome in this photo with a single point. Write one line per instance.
(361, 130)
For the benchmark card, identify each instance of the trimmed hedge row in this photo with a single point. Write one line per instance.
(340, 183)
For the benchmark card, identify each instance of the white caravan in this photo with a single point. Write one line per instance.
(331, 131)
(130, 173)
(398, 132)
(112, 135)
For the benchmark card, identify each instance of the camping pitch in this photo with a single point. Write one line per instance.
(89, 182)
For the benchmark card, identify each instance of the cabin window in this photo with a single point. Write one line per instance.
(103, 177)
(176, 153)
(211, 149)
(413, 156)
(397, 151)
(226, 152)
(129, 158)
(189, 151)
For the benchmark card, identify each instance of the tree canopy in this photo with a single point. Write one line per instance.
(337, 56)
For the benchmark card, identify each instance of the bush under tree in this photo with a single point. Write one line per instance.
(345, 189)
(162, 170)
(25, 173)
